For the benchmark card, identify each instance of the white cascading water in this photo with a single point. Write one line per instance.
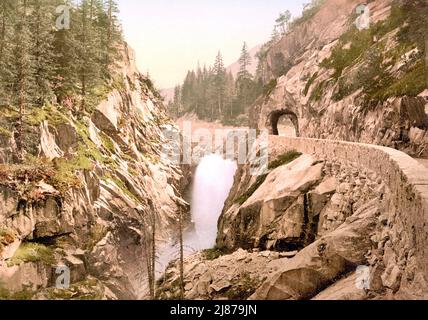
(211, 186)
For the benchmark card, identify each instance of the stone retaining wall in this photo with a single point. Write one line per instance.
(405, 243)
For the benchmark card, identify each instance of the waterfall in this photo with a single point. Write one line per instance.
(211, 186)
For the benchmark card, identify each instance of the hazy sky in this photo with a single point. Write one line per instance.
(170, 36)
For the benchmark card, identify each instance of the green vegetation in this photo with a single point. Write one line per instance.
(20, 296)
(411, 84)
(32, 252)
(60, 173)
(53, 114)
(214, 253)
(284, 159)
(85, 290)
(107, 142)
(343, 57)
(308, 13)
(65, 172)
(247, 194)
(368, 48)
(122, 186)
(90, 149)
(97, 232)
(318, 92)
(309, 83)
(5, 133)
(215, 94)
(244, 289)
(43, 61)
(146, 82)
(267, 89)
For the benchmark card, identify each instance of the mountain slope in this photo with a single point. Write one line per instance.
(349, 84)
(88, 196)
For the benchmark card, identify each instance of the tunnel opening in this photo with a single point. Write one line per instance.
(284, 123)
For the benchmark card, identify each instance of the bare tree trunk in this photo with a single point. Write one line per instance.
(109, 32)
(153, 258)
(149, 226)
(180, 224)
(20, 141)
(3, 31)
(84, 44)
(21, 102)
(83, 91)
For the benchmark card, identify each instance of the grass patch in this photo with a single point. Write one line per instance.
(411, 84)
(90, 149)
(65, 172)
(59, 173)
(284, 159)
(84, 290)
(318, 92)
(244, 289)
(341, 57)
(309, 83)
(21, 296)
(5, 133)
(47, 112)
(308, 14)
(32, 252)
(247, 194)
(107, 142)
(268, 89)
(122, 186)
(96, 234)
(214, 253)
(367, 48)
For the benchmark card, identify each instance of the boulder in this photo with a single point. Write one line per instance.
(274, 214)
(344, 289)
(318, 264)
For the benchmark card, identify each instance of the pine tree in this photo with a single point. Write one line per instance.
(244, 80)
(114, 34)
(6, 11)
(230, 94)
(21, 82)
(7, 15)
(65, 83)
(261, 72)
(244, 63)
(283, 21)
(88, 52)
(275, 35)
(177, 101)
(42, 19)
(219, 82)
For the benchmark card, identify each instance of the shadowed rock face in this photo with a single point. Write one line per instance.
(95, 228)
(321, 263)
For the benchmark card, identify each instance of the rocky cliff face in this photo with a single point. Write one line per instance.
(87, 195)
(337, 82)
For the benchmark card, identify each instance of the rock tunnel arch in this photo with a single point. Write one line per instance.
(275, 118)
